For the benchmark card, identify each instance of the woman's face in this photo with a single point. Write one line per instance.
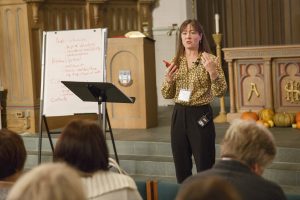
(190, 38)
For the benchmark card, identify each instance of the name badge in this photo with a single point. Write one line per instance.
(184, 95)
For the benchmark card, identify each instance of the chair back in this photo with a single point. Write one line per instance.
(292, 196)
(165, 190)
(144, 188)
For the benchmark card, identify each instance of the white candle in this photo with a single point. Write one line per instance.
(217, 18)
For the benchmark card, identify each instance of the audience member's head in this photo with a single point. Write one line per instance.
(83, 146)
(250, 143)
(12, 155)
(48, 182)
(207, 188)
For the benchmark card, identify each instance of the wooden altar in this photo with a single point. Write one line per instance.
(263, 77)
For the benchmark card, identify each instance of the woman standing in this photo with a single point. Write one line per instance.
(193, 79)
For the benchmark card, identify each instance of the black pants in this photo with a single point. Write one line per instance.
(189, 138)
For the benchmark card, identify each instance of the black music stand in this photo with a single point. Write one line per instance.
(100, 92)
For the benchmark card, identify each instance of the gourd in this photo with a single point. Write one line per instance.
(266, 114)
(264, 123)
(297, 125)
(283, 119)
(297, 119)
(249, 116)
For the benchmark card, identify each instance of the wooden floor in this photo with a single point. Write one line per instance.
(284, 137)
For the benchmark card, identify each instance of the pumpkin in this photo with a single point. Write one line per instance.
(264, 123)
(249, 116)
(283, 119)
(297, 125)
(297, 117)
(271, 123)
(266, 114)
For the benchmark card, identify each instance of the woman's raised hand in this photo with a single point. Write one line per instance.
(170, 72)
(210, 65)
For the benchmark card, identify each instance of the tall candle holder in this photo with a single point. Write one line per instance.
(1, 94)
(221, 118)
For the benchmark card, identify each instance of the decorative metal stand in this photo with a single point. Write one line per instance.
(221, 118)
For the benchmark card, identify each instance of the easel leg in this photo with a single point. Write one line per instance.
(40, 142)
(48, 133)
(111, 136)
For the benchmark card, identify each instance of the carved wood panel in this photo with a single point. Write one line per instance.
(120, 19)
(64, 17)
(264, 77)
(287, 84)
(250, 84)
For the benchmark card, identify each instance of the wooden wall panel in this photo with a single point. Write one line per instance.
(64, 17)
(294, 20)
(13, 20)
(36, 50)
(16, 71)
(120, 18)
(252, 22)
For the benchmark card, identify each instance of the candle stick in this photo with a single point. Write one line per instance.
(217, 18)
(222, 117)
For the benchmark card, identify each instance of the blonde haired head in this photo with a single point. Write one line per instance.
(249, 142)
(47, 182)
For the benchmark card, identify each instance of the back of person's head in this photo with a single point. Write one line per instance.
(207, 188)
(51, 181)
(83, 146)
(12, 153)
(249, 142)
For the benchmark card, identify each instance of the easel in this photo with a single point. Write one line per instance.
(94, 92)
(55, 99)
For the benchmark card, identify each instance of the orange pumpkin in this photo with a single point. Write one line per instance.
(298, 124)
(249, 116)
(297, 117)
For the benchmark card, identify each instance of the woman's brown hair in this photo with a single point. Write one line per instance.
(203, 43)
(83, 146)
(12, 153)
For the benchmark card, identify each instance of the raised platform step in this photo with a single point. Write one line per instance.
(153, 160)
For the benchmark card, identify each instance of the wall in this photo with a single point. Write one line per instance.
(252, 22)
(165, 14)
(168, 12)
(21, 26)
